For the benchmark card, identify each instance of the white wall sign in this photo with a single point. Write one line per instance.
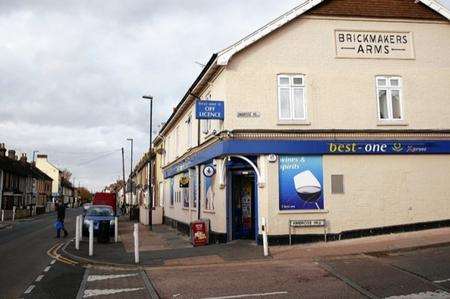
(250, 114)
(374, 44)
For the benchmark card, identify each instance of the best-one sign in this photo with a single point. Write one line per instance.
(374, 44)
(209, 110)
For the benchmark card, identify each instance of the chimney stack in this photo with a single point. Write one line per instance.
(42, 156)
(23, 158)
(2, 150)
(12, 154)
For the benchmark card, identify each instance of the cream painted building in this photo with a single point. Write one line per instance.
(52, 171)
(330, 113)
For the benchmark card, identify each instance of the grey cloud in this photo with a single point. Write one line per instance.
(72, 73)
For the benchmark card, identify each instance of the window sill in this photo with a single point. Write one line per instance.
(184, 208)
(304, 212)
(391, 123)
(171, 207)
(193, 209)
(293, 123)
(209, 212)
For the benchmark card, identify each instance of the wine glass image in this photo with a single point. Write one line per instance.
(308, 187)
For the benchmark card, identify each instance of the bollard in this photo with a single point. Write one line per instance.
(91, 238)
(136, 243)
(77, 233)
(116, 229)
(14, 213)
(80, 224)
(3, 215)
(264, 233)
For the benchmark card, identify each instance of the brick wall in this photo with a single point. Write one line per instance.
(403, 9)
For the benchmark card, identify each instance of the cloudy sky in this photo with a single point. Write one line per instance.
(72, 73)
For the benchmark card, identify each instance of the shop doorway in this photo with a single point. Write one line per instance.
(243, 205)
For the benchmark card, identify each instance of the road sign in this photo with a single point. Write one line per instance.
(209, 109)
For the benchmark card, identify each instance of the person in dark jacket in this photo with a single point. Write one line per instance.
(61, 214)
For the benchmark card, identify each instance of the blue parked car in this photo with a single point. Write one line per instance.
(99, 213)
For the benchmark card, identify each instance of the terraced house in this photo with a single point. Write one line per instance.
(335, 114)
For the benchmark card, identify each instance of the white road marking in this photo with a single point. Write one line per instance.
(47, 268)
(111, 276)
(39, 278)
(92, 293)
(30, 288)
(249, 295)
(52, 262)
(439, 294)
(441, 281)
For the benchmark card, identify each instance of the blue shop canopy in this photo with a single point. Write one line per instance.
(310, 147)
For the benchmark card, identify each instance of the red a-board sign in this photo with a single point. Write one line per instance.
(198, 233)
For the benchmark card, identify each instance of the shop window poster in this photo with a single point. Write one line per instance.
(209, 189)
(172, 191)
(301, 183)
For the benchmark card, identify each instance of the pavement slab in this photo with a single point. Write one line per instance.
(276, 279)
(380, 279)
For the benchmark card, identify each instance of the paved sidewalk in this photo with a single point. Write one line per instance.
(376, 244)
(164, 246)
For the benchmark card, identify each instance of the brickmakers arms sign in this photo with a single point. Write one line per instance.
(374, 44)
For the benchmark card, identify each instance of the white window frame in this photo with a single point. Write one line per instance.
(291, 87)
(388, 87)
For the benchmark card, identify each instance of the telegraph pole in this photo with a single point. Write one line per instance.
(123, 175)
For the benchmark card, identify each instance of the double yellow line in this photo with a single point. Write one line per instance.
(53, 253)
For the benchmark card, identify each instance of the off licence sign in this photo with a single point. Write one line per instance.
(307, 223)
(209, 109)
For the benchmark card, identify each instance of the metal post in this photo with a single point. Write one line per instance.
(3, 215)
(116, 229)
(14, 213)
(34, 154)
(264, 233)
(91, 238)
(131, 168)
(123, 176)
(80, 224)
(136, 243)
(150, 187)
(77, 233)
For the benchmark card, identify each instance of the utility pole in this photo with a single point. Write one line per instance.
(131, 168)
(150, 187)
(123, 175)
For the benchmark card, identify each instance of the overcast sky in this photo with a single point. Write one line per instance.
(72, 73)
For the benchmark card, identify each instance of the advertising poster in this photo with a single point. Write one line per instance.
(301, 183)
(209, 196)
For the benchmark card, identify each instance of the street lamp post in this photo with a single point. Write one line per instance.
(131, 167)
(150, 187)
(34, 154)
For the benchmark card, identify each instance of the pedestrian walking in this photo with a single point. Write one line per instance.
(61, 214)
